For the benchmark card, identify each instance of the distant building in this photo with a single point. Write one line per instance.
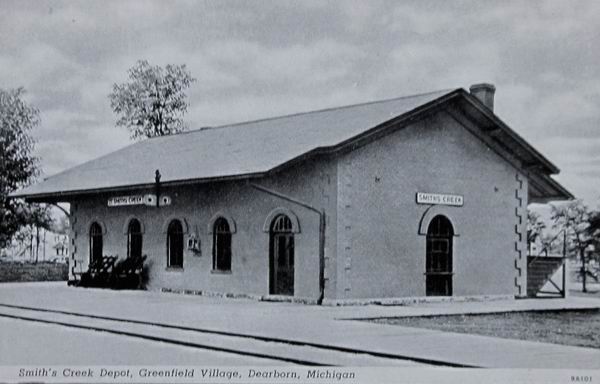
(51, 246)
(61, 246)
(423, 195)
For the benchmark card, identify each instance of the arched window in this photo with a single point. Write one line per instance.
(221, 245)
(282, 224)
(95, 242)
(281, 256)
(175, 244)
(134, 239)
(438, 272)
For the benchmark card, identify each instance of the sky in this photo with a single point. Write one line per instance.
(255, 59)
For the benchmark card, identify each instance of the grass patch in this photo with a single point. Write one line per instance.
(577, 328)
(14, 272)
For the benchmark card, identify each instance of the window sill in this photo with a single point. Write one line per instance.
(220, 272)
(174, 269)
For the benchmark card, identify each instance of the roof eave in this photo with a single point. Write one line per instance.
(66, 196)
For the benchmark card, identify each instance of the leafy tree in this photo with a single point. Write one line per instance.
(18, 166)
(595, 221)
(535, 226)
(153, 102)
(574, 218)
(61, 225)
(594, 232)
(535, 230)
(552, 243)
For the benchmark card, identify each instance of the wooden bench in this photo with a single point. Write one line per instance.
(99, 272)
(127, 273)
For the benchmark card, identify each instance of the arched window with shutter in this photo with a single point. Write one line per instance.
(221, 245)
(95, 242)
(175, 244)
(134, 239)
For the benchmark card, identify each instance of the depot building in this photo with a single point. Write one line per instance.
(415, 196)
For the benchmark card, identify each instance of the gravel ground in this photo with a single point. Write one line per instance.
(576, 328)
(593, 290)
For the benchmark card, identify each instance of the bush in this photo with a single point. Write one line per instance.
(44, 271)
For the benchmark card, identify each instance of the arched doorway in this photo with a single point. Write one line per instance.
(438, 263)
(95, 242)
(281, 257)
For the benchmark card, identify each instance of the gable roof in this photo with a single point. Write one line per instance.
(246, 149)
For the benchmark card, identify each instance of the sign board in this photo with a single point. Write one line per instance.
(149, 200)
(120, 201)
(439, 199)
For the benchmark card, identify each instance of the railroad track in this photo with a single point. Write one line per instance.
(257, 346)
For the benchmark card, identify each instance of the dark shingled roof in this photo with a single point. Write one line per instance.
(251, 148)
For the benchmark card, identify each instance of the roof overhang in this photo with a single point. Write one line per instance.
(504, 135)
(542, 187)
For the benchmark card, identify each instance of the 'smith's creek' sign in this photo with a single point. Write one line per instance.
(439, 199)
(120, 201)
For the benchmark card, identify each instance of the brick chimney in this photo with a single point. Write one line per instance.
(485, 93)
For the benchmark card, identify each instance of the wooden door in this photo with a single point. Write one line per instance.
(438, 272)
